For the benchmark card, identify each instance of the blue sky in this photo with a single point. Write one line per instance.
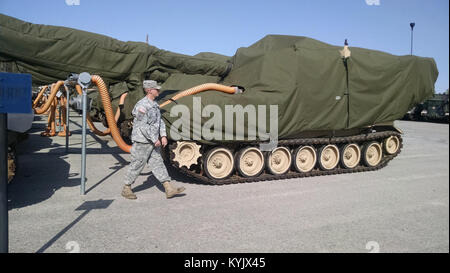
(194, 26)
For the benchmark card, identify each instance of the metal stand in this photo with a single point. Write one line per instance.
(84, 80)
(83, 145)
(3, 184)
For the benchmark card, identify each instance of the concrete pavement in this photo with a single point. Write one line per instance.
(403, 207)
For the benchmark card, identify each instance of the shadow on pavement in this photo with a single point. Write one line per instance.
(40, 175)
(86, 207)
(43, 168)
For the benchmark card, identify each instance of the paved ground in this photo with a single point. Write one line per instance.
(403, 207)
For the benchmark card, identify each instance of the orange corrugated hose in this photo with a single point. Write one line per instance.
(53, 116)
(39, 96)
(201, 88)
(63, 102)
(46, 106)
(121, 101)
(50, 130)
(48, 127)
(89, 120)
(97, 80)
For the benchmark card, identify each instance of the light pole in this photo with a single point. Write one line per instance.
(412, 28)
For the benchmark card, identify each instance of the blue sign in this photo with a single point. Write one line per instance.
(15, 93)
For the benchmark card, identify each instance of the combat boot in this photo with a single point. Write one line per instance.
(170, 190)
(128, 193)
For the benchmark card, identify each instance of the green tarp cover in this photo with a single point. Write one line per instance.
(51, 53)
(309, 81)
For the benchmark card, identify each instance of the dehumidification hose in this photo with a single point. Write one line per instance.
(89, 120)
(44, 108)
(201, 88)
(97, 80)
(121, 102)
(39, 96)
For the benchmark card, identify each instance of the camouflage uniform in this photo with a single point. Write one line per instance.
(147, 127)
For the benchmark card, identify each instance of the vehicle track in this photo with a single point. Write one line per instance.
(292, 143)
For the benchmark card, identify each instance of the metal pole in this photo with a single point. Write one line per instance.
(67, 119)
(412, 34)
(83, 147)
(3, 184)
(84, 79)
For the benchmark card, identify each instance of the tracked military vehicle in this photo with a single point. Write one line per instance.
(433, 109)
(284, 107)
(336, 109)
(436, 108)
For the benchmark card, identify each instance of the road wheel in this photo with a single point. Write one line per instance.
(328, 157)
(350, 156)
(279, 161)
(372, 154)
(250, 162)
(218, 163)
(391, 145)
(305, 158)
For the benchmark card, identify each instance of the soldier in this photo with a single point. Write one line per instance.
(147, 128)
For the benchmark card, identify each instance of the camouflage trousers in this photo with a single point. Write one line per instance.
(142, 153)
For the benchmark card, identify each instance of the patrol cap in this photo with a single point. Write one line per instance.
(150, 84)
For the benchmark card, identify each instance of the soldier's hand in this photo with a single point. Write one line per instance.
(164, 141)
(157, 143)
